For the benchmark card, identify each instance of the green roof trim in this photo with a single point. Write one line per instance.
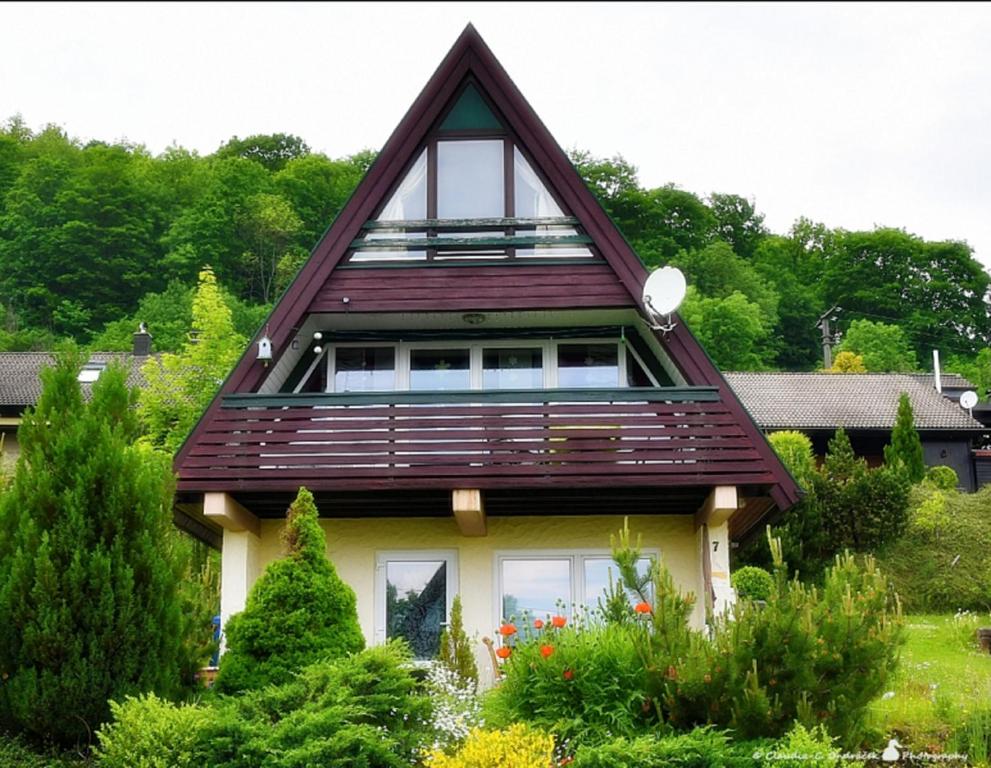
(470, 112)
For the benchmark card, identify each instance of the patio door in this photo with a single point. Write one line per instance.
(413, 595)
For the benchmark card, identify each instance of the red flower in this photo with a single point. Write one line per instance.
(569, 674)
(642, 607)
(507, 629)
(538, 623)
(503, 653)
(558, 621)
(546, 650)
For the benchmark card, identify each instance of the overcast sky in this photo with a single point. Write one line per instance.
(853, 115)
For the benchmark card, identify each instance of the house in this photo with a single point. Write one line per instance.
(865, 405)
(20, 384)
(464, 375)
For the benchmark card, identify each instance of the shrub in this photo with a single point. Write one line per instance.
(905, 452)
(973, 737)
(456, 709)
(14, 753)
(297, 613)
(795, 451)
(942, 477)
(943, 562)
(582, 684)
(805, 747)
(90, 562)
(518, 746)
(753, 583)
(455, 650)
(147, 732)
(364, 711)
(700, 748)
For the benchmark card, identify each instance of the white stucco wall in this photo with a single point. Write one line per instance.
(352, 545)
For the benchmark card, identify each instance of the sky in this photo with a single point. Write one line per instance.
(854, 115)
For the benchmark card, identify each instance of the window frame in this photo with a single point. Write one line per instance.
(475, 347)
(385, 556)
(576, 556)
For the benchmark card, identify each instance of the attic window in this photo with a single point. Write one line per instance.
(90, 372)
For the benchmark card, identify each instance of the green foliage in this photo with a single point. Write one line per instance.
(15, 753)
(942, 477)
(805, 747)
(180, 386)
(905, 452)
(364, 710)
(90, 563)
(732, 330)
(795, 451)
(699, 748)
(753, 583)
(297, 613)
(738, 223)
(518, 746)
(883, 347)
(973, 737)
(273, 151)
(943, 562)
(977, 370)
(455, 651)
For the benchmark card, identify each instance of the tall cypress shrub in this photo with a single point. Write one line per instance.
(90, 563)
(299, 611)
(905, 452)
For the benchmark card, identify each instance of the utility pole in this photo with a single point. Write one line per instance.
(828, 337)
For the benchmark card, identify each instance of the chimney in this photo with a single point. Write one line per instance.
(142, 342)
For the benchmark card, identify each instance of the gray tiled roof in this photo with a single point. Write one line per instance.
(850, 400)
(20, 380)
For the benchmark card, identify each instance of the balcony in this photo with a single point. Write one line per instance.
(667, 436)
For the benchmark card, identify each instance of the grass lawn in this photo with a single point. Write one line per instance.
(942, 680)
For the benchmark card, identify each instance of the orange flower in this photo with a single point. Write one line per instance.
(569, 674)
(546, 650)
(566, 760)
(538, 623)
(507, 629)
(558, 621)
(642, 607)
(503, 653)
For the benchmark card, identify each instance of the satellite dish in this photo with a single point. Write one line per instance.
(968, 399)
(663, 293)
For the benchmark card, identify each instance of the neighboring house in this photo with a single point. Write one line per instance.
(865, 405)
(464, 375)
(20, 383)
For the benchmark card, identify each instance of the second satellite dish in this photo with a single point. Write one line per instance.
(968, 399)
(663, 293)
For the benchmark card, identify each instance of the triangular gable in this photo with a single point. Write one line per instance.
(470, 56)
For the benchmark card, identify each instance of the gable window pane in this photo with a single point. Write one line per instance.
(597, 573)
(535, 587)
(432, 369)
(512, 368)
(587, 365)
(409, 201)
(416, 603)
(470, 182)
(365, 369)
(532, 198)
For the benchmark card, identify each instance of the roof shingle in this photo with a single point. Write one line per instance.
(20, 374)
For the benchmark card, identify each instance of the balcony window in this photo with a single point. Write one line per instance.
(512, 368)
(439, 369)
(364, 369)
(470, 179)
(587, 365)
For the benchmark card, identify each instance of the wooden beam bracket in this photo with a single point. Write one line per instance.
(719, 507)
(469, 512)
(225, 511)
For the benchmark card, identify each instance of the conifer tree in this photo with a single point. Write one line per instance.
(297, 613)
(455, 648)
(905, 451)
(90, 563)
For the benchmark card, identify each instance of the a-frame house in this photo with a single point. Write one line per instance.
(465, 376)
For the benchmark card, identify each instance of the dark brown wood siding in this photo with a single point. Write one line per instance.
(650, 438)
(462, 289)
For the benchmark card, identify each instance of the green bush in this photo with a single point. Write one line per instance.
(942, 477)
(582, 684)
(147, 732)
(91, 565)
(753, 583)
(804, 747)
(700, 748)
(795, 451)
(298, 612)
(363, 711)
(14, 753)
(943, 562)
(904, 454)
(973, 737)
(518, 746)
(455, 649)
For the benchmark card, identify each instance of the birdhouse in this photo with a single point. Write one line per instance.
(265, 349)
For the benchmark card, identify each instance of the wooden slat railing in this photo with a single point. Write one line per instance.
(515, 438)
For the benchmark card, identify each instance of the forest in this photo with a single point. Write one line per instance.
(96, 237)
